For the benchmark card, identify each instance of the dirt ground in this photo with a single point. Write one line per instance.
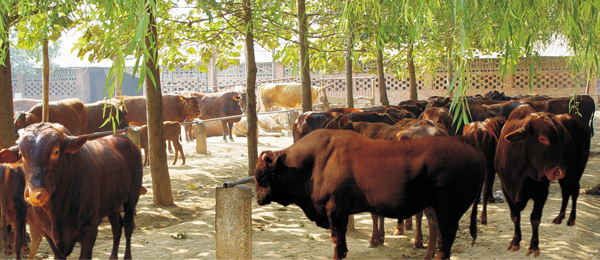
(285, 233)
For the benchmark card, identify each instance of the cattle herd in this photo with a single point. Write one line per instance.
(392, 161)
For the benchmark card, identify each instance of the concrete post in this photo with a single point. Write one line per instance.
(133, 132)
(201, 138)
(292, 117)
(350, 223)
(233, 223)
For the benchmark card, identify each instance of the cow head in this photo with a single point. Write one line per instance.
(265, 174)
(191, 106)
(543, 135)
(22, 120)
(43, 149)
(241, 99)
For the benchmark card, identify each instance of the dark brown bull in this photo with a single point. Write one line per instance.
(484, 137)
(14, 208)
(71, 113)
(533, 149)
(331, 174)
(98, 114)
(72, 183)
(217, 105)
(569, 185)
(409, 130)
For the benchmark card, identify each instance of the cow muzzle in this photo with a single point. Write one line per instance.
(36, 197)
(555, 173)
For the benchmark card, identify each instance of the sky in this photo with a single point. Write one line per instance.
(67, 58)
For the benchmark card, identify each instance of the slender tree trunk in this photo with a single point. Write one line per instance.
(450, 77)
(383, 97)
(412, 75)
(161, 183)
(348, 61)
(251, 91)
(7, 127)
(304, 58)
(46, 83)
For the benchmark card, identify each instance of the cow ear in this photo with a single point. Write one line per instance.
(344, 122)
(74, 143)
(236, 97)
(280, 160)
(10, 155)
(519, 134)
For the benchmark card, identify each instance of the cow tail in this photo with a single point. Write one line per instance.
(473, 226)
(3, 205)
(592, 121)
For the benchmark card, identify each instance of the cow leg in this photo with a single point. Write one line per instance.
(488, 184)
(146, 155)
(418, 231)
(230, 130)
(381, 230)
(448, 233)
(55, 251)
(179, 148)
(169, 146)
(515, 216)
(434, 231)
(375, 233)
(88, 239)
(338, 223)
(116, 224)
(399, 228)
(187, 130)
(563, 207)
(8, 244)
(572, 216)
(536, 215)
(129, 223)
(36, 239)
(408, 223)
(19, 237)
(225, 130)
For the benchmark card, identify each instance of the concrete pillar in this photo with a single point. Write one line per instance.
(292, 117)
(233, 224)
(133, 132)
(350, 223)
(201, 138)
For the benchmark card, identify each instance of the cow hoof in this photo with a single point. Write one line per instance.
(419, 244)
(484, 220)
(571, 222)
(399, 232)
(535, 251)
(558, 219)
(373, 243)
(513, 248)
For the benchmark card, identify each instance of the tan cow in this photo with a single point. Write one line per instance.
(284, 95)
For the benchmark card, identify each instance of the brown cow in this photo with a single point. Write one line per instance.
(331, 174)
(217, 105)
(284, 95)
(569, 185)
(174, 108)
(441, 115)
(72, 183)
(24, 104)
(172, 132)
(71, 113)
(484, 137)
(533, 149)
(412, 130)
(98, 114)
(14, 208)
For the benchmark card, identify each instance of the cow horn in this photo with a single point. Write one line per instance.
(264, 157)
(535, 116)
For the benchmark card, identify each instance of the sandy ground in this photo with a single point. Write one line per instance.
(285, 233)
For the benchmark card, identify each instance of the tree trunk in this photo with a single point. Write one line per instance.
(46, 83)
(412, 75)
(348, 61)
(450, 77)
(161, 183)
(251, 91)
(7, 127)
(383, 98)
(304, 58)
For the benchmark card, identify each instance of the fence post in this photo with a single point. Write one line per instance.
(133, 133)
(292, 117)
(233, 224)
(201, 138)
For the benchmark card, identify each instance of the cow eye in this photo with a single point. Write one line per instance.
(544, 140)
(56, 152)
